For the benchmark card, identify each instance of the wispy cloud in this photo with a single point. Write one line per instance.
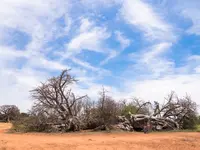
(124, 43)
(94, 4)
(189, 10)
(14, 14)
(142, 16)
(151, 60)
(86, 25)
(92, 40)
(90, 37)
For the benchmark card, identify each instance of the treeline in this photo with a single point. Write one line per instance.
(57, 109)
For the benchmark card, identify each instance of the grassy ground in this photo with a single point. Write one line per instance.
(198, 128)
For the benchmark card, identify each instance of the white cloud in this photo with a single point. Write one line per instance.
(86, 25)
(194, 57)
(194, 63)
(197, 69)
(151, 61)
(94, 4)
(9, 55)
(112, 55)
(143, 16)
(36, 18)
(41, 62)
(155, 90)
(155, 51)
(16, 84)
(124, 41)
(84, 64)
(189, 10)
(15, 13)
(6, 51)
(92, 40)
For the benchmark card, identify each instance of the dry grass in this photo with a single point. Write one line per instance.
(100, 141)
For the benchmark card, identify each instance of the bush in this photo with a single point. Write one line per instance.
(30, 124)
(190, 122)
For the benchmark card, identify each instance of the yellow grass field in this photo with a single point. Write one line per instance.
(98, 141)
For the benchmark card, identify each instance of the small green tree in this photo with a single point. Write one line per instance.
(128, 109)
(190, 122)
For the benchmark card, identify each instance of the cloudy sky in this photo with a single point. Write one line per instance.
(142, 48)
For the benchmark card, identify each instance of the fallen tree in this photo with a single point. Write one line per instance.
(170, 116)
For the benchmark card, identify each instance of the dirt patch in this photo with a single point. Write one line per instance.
(98, 141)
(4, 127)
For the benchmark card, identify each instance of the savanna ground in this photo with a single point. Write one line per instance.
(98, 141)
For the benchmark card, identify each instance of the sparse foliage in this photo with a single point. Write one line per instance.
(107, 108)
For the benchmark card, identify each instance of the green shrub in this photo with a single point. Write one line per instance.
(29, 124)
(190, 122)
(128, 109)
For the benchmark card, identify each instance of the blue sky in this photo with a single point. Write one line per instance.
(141, 48)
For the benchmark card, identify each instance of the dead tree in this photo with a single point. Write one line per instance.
(56, 97)
(141, 106)
(170, 115)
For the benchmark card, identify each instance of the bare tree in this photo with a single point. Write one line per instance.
(142, 107)
(89, 115)
(56, 97)
(107, 108)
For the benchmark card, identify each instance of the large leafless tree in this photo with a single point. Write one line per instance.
(55, 98)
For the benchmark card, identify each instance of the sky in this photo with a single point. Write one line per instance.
(134, 48)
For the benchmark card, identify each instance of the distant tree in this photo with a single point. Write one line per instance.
(9, 113)
(107, 108)
(24, 115)
(89, 115)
